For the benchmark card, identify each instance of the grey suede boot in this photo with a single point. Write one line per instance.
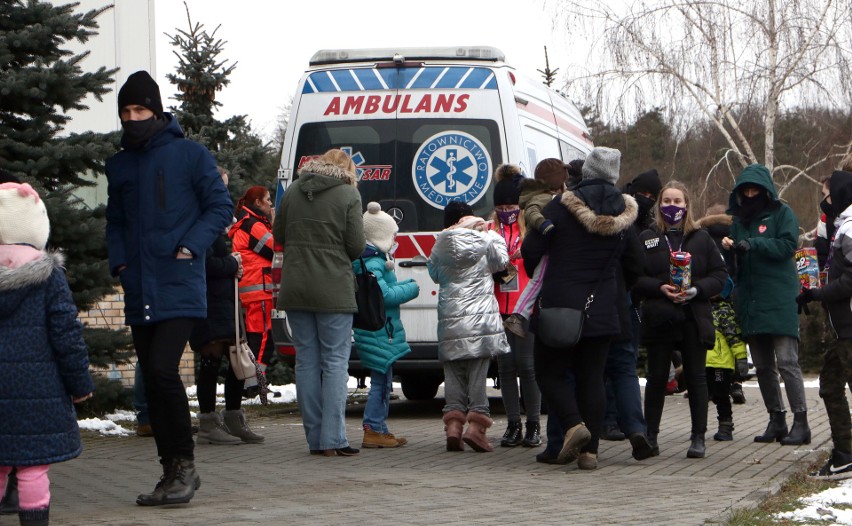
(211, 430)
(235, 422)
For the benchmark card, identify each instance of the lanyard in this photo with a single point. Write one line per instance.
(514, 245)
(670, 245)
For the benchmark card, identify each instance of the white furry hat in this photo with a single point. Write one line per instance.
(23, 217)
(379, 227)
(602, 163)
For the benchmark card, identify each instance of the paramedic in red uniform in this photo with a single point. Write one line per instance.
(251, 236)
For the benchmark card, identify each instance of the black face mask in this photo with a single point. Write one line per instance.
(751, 207)
(137, 133)
(645, 205)
(826, 207)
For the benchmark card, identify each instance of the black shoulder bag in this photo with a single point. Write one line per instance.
(562, 327)
(370, 300)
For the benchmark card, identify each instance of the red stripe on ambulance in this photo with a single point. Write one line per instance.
(411, 245)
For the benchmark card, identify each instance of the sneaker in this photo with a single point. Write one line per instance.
(515, 324)
(347, 451)
(612, 433)
(838, 467)
(587, 461)
(378, 440)
(144, 430)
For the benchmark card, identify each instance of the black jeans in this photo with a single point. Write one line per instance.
(719, 389)
(694, 357)
(159, 347)
(586, 402)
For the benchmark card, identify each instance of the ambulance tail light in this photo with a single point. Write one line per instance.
(277, 263)
(512, 78)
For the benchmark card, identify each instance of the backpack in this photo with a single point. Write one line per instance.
(370, 300)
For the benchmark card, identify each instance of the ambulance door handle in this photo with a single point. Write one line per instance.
(408, 264)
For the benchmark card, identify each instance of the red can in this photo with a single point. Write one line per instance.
(680, 270)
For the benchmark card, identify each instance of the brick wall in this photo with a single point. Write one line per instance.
(109, 313)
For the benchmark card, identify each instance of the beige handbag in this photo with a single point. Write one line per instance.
(242, 359)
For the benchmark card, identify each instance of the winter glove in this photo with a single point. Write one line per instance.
(690, 293)
(742, 368)
(804, 297)
(742, 247)
(547, 227)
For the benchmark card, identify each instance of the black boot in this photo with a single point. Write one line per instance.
(726, 431)
(696, 448)
(776, 430)
(642, 447)
(513, 436)
(39, 517)
(737, 394)
(655, 447)
(9, 502)
(533, 436)
(612, 433)
(176, 486)
(800, 433)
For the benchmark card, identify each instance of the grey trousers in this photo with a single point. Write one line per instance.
(519, 364)
(464, 386)
(774, 354)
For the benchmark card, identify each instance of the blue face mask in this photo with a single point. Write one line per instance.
(673, 214)
(508, 217)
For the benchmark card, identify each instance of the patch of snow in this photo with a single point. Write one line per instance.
(821, 508)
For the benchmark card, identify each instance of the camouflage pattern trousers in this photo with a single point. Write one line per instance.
(835, 374)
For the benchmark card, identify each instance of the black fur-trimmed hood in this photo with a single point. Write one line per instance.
(604, 225)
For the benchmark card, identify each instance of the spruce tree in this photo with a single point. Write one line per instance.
(201, 73)
(548, 74)
(40, 81)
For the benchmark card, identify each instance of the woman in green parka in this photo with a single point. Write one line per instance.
(378, 350)
(763, 237)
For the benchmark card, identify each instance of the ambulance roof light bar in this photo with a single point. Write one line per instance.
(337, 56)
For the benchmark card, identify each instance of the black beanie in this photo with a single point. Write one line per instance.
(645, 182)
(6, 177)
(506, 192)
(141, 89)
(454, 211)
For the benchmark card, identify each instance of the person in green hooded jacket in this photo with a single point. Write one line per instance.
(763, 237)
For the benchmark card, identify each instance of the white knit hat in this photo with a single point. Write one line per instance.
(602, 163)
(23, 217)
(379, 228)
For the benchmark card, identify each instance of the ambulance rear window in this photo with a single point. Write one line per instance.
(455, 160)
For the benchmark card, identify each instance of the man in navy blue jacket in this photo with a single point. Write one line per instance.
(166, 204)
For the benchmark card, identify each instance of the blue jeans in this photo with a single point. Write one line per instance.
(378, 401)
(624, 399)
(140, 403)
(323, 343)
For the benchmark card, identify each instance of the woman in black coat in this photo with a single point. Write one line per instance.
(674, 319)
(592, 226)
(211, 338)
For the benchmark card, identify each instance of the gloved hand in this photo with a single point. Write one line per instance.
(690, 293)
(802, 300)
(742, 247)
(742, 367)
(805, 297)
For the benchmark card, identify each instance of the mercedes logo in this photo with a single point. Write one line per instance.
(396, 214)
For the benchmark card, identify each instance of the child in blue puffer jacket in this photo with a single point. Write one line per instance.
(43, 340)
(378, 350)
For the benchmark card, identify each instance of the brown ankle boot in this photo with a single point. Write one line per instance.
(474, 435)
(453, 424)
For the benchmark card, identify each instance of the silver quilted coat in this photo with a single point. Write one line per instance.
(469, 322)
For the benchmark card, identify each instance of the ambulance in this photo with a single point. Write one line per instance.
(425, 126)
